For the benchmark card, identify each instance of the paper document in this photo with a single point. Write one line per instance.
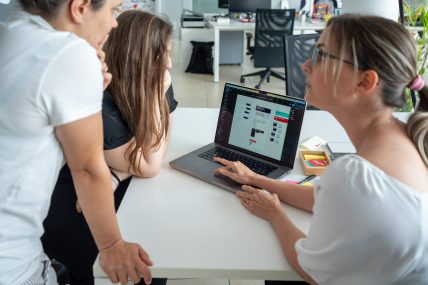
(314, 143)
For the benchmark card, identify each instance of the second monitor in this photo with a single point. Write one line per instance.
(245, 6)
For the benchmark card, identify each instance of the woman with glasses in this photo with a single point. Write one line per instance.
(370, 210)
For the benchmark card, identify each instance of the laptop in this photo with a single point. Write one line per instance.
(258, 128)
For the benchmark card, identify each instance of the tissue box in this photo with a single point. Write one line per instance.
(314, 162)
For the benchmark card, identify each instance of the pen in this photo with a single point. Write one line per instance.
(309, 178)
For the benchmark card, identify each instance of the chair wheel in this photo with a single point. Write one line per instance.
(242, 80)
(258, 86)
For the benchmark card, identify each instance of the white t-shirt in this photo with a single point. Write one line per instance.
(367, 228)
(47, 78)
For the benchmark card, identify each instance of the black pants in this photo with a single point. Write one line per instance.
(67, 237)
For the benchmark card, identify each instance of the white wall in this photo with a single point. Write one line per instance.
(385, 8)
(172, 9)
(276, 4)
(5, 9)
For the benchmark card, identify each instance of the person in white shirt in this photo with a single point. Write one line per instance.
(370, 210)
(53, 74)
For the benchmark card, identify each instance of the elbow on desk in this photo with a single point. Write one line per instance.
(149, 170)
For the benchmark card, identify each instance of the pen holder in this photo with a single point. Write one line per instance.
(314, 162)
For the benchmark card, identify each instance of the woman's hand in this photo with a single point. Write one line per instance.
(123, 261)
(236, 171)
(101, 55)
(260, 202)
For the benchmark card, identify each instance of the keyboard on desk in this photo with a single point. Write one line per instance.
(255, 165)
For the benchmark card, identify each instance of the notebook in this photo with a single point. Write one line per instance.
(258, 128)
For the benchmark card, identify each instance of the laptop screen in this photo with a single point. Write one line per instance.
(260, 123)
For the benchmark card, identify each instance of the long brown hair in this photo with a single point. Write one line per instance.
(388, 48)
(136, 54)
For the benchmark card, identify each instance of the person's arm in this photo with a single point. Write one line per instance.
(118, 158)
(288, 234)
(267, 206)
(82, 142)
(151, 162)
(299, 196)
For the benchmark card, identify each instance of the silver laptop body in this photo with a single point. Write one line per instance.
(260, 129)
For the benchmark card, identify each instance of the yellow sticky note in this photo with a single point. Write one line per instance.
(313, 156)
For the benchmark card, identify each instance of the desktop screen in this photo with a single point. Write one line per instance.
(223, 4)
(248, 5)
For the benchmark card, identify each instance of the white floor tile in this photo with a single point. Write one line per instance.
(199, 90)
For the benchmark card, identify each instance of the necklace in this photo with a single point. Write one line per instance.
(371, 128)
(375, 126)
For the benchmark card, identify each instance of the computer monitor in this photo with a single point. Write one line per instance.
(223, 4)
(245, 6)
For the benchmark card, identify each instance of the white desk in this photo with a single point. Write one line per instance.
(299, 27)
(238, 26)
(192, 229)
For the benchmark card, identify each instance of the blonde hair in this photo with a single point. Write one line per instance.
(417, 125)
(136, 54)
(388, 48)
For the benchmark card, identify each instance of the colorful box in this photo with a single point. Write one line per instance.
(314, 162)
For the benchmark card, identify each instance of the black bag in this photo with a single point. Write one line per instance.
(202, 58)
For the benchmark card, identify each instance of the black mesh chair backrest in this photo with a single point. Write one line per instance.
(271, 26)
(297, 49)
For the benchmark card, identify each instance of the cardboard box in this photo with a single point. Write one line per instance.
(314, 162)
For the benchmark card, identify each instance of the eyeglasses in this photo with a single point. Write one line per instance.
(318, 54)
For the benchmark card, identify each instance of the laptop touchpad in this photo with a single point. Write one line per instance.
(209, 168)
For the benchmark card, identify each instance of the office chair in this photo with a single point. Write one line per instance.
(271, 26)
(250, 48)
(297, 49)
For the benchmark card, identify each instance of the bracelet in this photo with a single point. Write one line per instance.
(115, 177)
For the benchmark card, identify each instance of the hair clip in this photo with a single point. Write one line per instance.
(417, 83)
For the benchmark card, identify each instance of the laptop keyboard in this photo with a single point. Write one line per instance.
(255, 165)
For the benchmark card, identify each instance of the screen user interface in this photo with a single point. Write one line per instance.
(265, 124)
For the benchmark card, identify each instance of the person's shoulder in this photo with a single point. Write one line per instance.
(344, 167)
(41, 34)
(350, 173)
(70, 45)
(25, 31)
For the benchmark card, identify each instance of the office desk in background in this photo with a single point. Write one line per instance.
(192, 229)
(299, 27)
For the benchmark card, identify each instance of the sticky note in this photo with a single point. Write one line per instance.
(313, 156)
(316, 163)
